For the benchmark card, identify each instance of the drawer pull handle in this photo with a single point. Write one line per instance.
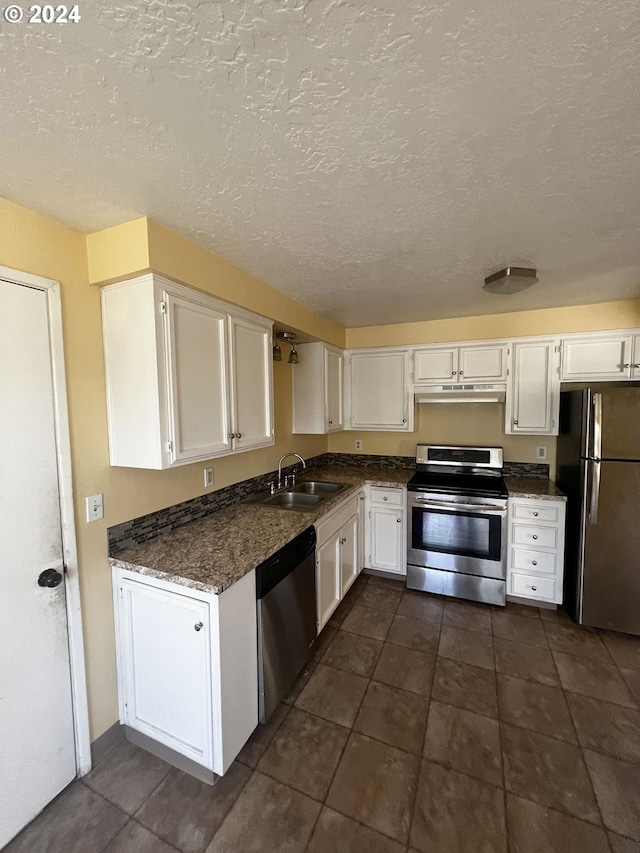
(535, 536)
(198, 626)
(536, 514)
(534, 562)
(534, 588)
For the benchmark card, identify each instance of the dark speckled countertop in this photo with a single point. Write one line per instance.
(213, 553)
(533, 487)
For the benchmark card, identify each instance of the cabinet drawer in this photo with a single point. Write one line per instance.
(386, 497)
(539, 537)
(534, 561)
(542, 511)
(329, 524)
(533, 587)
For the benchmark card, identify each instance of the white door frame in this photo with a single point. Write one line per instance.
(67, 515)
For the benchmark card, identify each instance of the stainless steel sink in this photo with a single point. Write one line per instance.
(315, 487)
(304, 496)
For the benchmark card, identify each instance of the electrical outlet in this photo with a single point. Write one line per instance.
(94, 508)
(208, 478)
(358, 444)
(541, 451)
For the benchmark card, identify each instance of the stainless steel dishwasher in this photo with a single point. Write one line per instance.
(286, 605)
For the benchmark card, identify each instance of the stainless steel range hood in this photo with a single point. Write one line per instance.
(477, 393)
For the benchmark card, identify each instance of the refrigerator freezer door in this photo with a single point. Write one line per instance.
(610, 571)
(620, 424)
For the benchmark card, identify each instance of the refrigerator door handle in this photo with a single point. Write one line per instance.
(596, 449)
(594, 490)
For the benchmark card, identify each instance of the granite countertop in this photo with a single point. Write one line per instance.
(533, 487)
(214, 552)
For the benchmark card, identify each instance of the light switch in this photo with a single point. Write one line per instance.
(94, 508)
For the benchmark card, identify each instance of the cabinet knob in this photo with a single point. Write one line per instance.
(534, 588)
(330, 422)
(536, 514)
(637, 365)
(399, 520)
(198, 626)
(453, 373)
(238, 435)
(535, 536)
(461, 373)
(232, 435)
(385, 498)
(404, 420)
(515, 423)
(534, 562)
(628, 364)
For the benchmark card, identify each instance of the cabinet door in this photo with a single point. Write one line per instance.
(327, 578)
(349, 566)
(199, 423)
(483, 363)
(437, 364)
(252, 385)
(386, 542)
(333, 373)
(635, 365)
(596, 358)
(379, 391)
(164, 652)
(534, 392)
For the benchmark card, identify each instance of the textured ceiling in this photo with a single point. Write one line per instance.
(374, 160)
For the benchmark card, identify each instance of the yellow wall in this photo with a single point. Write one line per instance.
(549, 321)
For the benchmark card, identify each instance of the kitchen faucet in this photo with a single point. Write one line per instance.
(304, 465)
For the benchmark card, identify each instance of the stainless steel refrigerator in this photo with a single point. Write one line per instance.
(599, 471)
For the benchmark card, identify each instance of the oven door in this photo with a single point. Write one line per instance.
(457, 534)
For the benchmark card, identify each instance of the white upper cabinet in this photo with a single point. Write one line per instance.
(533, 394)
(317, 382)
(598, 357)
(188, 377)
(377, 390)
(474, 363)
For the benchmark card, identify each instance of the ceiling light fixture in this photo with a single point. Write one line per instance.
(510, 280)
(287, 338)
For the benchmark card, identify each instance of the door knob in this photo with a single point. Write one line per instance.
(50, 578)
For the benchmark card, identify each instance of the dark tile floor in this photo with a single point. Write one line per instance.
(421, 724)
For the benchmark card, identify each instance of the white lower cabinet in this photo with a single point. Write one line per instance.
(337, 562)
(386, 530)
(535, 564)
(187, 665)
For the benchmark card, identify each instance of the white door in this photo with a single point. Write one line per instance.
(198, 384)
(327, 579)
(386, 540)
(37, 749)
(348, 554)
(251, 386)
(164, 652)
(333, 372)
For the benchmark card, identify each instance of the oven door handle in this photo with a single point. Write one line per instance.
(484, 508)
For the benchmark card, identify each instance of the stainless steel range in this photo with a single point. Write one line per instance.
(457, 523)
